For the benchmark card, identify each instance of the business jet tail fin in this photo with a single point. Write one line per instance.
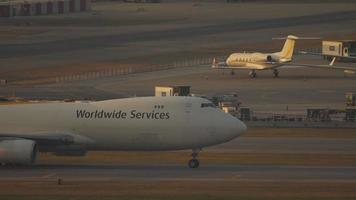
(288, 48)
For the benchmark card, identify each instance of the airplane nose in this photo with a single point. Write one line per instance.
(236, 127)
(229, 127)
(241, 128)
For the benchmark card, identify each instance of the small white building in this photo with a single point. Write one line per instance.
(162, 91)
(341, 48)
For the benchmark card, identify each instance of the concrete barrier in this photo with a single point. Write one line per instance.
(303, 124)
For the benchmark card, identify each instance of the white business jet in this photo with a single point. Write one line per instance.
(270, 61)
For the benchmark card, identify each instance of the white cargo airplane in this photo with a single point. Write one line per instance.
(143, 123)
(270, 61)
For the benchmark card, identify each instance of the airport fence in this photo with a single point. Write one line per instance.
(120, 71)
(300, 124)
(126, 70)
(279, 120)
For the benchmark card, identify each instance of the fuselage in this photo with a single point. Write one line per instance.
(144, 123)
(257, 61)
(262, 61)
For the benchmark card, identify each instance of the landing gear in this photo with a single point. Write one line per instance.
(194, 163)
(253, 74)
(275, 73)
(232, 72)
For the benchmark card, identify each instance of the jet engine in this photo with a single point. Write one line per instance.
(18, 151)
(272, 58)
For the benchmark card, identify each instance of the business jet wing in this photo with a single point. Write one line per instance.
(319, 54)
(350, 70)
(47, 137)
(247, 66)
(223, 65)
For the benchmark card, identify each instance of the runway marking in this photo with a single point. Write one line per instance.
(236, 176)
(49, 175)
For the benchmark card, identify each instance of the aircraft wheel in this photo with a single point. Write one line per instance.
(275, 73)
(253, 74)
(193, 163)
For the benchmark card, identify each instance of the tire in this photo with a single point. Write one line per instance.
(193, 163)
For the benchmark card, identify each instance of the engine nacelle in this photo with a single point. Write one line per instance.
(272, 58)
(18, 151)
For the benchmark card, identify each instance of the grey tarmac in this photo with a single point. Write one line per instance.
(103, 172)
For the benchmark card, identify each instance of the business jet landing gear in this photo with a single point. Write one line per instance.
(253, 74)
(232, 72)
(275, 73)
(194, 163)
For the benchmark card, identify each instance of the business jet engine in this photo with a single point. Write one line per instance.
(272, 58)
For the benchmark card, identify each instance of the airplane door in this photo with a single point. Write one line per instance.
(188, 111)
(188, 108)
(213, 123)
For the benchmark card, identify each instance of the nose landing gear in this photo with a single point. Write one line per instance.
(275, 73)
(194, 162)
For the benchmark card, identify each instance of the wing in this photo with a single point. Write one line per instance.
(247, 66)
(48, 138)
(350, 70)
(310, 53)
(223, 65)
(319, 54)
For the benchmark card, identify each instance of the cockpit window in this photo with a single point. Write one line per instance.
(205, 105)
